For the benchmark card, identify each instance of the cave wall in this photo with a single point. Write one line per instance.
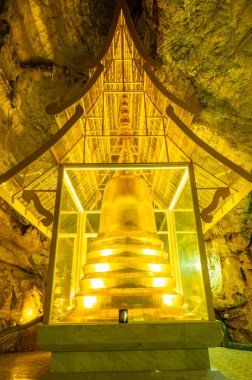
(229, 250)
(24, 254)
(206, 50)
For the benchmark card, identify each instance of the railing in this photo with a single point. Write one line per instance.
(14, 329)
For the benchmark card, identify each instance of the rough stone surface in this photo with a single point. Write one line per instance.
(206, 48)
(229, 250)
(23, 270)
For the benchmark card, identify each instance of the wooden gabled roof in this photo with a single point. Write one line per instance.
(88, 132)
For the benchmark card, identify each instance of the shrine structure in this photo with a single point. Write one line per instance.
(125, 190)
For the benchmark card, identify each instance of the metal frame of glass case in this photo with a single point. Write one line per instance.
(178, 226)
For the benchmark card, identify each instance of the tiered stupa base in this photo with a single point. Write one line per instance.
(134, 315)
(131, 273)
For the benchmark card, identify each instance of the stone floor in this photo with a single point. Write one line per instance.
(234, 364)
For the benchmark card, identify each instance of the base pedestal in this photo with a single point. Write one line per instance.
(145, 351)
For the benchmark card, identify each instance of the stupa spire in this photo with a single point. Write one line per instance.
(125, 131)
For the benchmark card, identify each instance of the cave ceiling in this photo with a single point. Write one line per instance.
(205, 48)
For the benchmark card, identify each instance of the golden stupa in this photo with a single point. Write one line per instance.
(127, 266)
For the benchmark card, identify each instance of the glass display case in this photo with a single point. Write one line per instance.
(127, 236)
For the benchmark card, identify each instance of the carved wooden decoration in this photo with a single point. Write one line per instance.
(222, 192)
(30, 195)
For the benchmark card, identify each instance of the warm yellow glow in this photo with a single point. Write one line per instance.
(97, 283)
(106, 252)
(155, 267)
(59, 302)
(198, 265)
(89, 301)
(126, 265)
(72, 293)
(28, 312)
(179, 190)
(134, 167)
(72, 192)
(158, 282)
(168, 299)
(147, 251)
(102, 267)
(27, 315)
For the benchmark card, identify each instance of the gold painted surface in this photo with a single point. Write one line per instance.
(127, 266)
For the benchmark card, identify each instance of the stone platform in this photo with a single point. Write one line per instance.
(144, 350)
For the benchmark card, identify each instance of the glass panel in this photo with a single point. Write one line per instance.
(184, 221)
(116, 250)
(192, 280)
(68, 223)
(62, 300)
(161, 221)
(185, 200)
(189, 256)
(92, 222)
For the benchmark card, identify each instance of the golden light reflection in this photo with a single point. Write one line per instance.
(72, 192)
(155, 267)
(147, 251)
(89, 301)
(97, 283)
(125, 259)
(159, 282)
(29, 312)
(102, 267)
(196, 265)
(168, 299)
(27, 315)
(179, 189)
(106, 252)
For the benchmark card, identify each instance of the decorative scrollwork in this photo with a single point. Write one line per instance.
(222, 192)
(30, 195)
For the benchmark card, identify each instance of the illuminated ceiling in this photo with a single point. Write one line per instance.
(89, 132)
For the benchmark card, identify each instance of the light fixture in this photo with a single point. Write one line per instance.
(72, 192)
(106, 252)
(97, 283)
(159, 282)
(89, 301)
(168, 299)
(179, 190)
(155, 267)
(147, 251)
(102, 267)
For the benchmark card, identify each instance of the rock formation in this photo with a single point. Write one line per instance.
(206, 50)
(23, 270)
